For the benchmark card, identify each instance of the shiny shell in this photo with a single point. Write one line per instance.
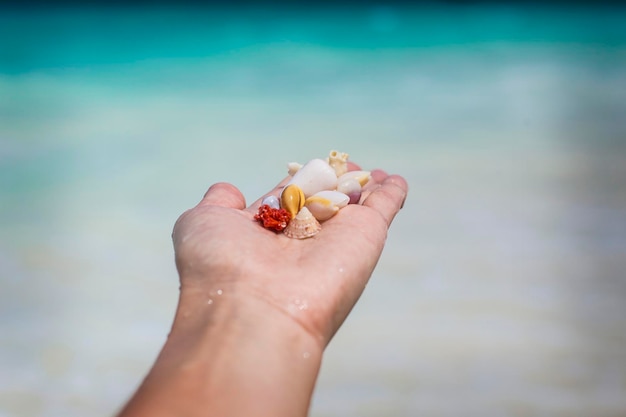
(272, 201)
(361, 176)
(326, 204)
(292, 199)
(303, 226)
(351, 187)
(316, 175)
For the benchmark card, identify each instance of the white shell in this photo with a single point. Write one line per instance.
(349, 185)
(352, 188)
(293, 167)
(361, 176)
(303, 226)
(272, 201)
(316, 175)
(325, 204)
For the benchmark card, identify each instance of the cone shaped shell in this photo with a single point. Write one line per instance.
(292, 199)
(326, 204)
(303, 226)
(316, 175)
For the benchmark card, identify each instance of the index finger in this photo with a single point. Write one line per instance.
(388, 198)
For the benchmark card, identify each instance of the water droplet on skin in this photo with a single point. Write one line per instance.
(306, 355)
(219, 292)
(210, 301)
(300, 304)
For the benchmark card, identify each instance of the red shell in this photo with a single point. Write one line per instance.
(272, 218)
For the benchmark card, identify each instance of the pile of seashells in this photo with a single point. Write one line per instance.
(314, 194)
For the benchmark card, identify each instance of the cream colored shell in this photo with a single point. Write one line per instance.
(303, 226)
(339, 162)
(326, 204)
(316, 175)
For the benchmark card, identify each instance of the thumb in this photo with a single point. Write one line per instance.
(224, 194)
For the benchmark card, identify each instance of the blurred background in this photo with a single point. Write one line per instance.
(502, 289)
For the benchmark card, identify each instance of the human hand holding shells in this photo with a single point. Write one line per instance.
(257, 308)
(218, 245)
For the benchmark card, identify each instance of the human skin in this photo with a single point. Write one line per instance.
(257, 309)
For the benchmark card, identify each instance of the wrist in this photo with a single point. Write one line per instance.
(230, 308)
(230, 353)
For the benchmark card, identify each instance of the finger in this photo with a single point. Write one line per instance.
(388, 198)
(224, 194)
(378, 176)
(353, 167)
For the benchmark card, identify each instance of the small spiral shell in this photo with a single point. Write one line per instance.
(303, 226)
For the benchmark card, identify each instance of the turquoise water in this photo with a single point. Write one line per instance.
(505, 268)
(86, 37)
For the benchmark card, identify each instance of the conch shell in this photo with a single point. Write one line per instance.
(303, 226)
(316, 175)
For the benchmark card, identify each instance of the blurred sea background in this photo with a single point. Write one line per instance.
(502, 288)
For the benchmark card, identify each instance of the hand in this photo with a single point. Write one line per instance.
(220, 248)
(256, 308)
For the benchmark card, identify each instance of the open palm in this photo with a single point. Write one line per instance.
(220, 248)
